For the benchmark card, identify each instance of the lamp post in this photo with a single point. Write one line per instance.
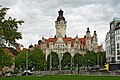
(101, 61)
(77, 68)
(98, 59)
(60, 58)
(50, 60)
(26, 62)
(71, 64)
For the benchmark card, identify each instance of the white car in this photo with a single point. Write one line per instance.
(27, 71)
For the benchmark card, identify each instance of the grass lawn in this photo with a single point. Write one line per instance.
(63, 77)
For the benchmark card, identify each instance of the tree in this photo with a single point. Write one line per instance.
(102, 58)
(9, 29)
(36, 59)
(79, 60)
(5, 59)
(55, 60)
(66, 59)
(20, 61)
(91, 58)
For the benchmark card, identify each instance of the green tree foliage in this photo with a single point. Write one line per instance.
(54, 60)
(91, 58)
(2, 51)
(5, 58)
(36, 59)
(102, 58)
(21, 60)
(66, 59)
(9, 29)
(79, 59)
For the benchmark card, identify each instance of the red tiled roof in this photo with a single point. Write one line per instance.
(72, 40)
(50, 39)
(99, 47)
(69, 39)
(24, 49)
(91, 39)
(83, 40)
(10, 52)
(38, 46)
(18, 49)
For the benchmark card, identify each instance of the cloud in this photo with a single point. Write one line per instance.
(40, 17)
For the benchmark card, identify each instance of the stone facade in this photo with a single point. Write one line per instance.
(61, 43)
(113, 41)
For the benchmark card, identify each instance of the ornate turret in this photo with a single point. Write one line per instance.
(60, 15)
(60, 25)
(95, 33)
(88, 39)
(87, 30)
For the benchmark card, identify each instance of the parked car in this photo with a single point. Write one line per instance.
(27, 71)
(8, 74)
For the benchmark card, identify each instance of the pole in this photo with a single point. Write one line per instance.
(26, 62)
(101, 61)
(71, 64)
(60, 60)
(98, 59)
(50, 61)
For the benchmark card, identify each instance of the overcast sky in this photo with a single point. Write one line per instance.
(40, 17)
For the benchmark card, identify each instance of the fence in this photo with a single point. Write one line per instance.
(76, 72)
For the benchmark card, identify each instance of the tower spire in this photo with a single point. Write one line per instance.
(60, 24)
(60, 12)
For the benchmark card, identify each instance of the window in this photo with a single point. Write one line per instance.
(118, 58)
(118, 52)
(117, 45)
(81, 42)
(118, 38)
(117, 31)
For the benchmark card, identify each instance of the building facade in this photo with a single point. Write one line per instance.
(113, 41)
(61, 43)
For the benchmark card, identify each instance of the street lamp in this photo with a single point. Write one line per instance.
(71, 64)
(26, 62)
(72, 61)
(50, 61)
(77, 68)
(60, 58)
(98, 59)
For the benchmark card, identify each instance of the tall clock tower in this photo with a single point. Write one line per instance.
(60, 25)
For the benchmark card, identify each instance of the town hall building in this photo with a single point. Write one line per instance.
(61, 43)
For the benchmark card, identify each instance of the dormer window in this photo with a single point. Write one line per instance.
(81, 42)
